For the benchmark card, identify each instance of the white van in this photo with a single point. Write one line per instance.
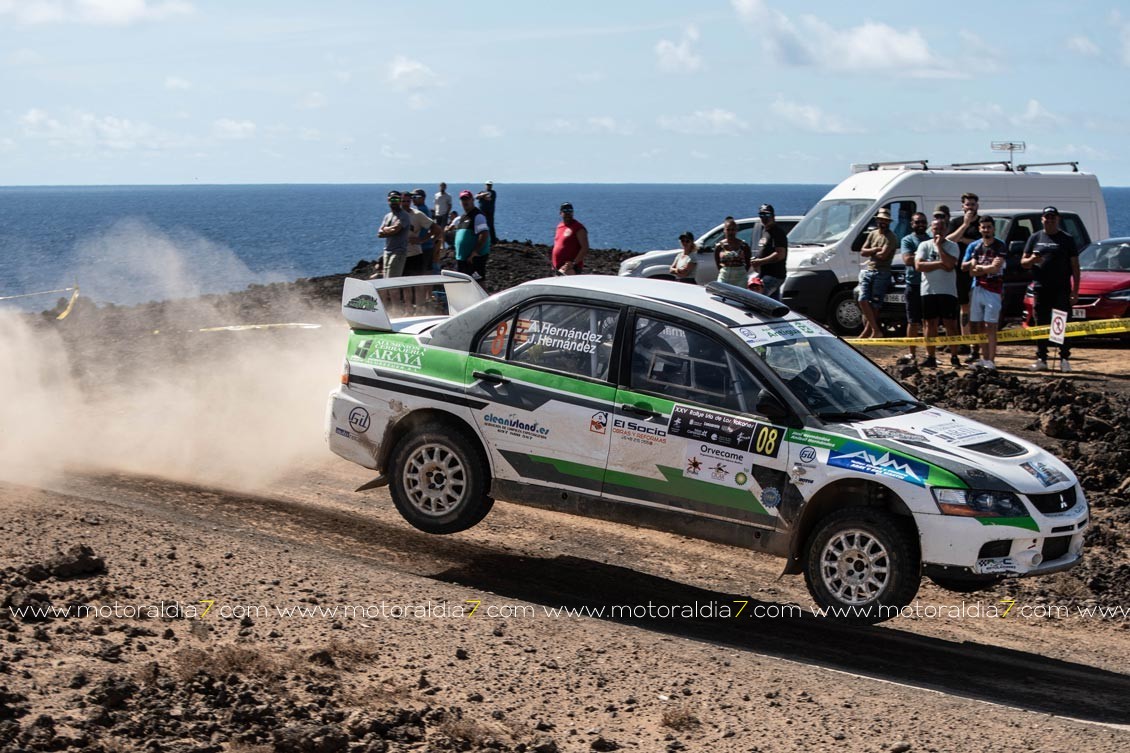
(824, 261)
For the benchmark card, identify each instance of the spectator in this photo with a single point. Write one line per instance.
(732, 256)
(909, 247)
(570, 244)
(937, 259)
(488, 197)
(963, 231)
(472, 239)
(442, 206)
(1052, 256)
(424, 234)
(984, 261)
(683, 268)
(879, 249)
(394, 228)
(772, 251)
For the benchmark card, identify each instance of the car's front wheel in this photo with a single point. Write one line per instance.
(862, 565)
(844, 315)
(438, 479)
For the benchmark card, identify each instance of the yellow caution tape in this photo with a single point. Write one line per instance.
(1073, 329)
(70, 305)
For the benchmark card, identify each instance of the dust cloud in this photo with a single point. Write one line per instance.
(143, 390)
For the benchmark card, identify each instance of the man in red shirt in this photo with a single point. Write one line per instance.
(570, 244)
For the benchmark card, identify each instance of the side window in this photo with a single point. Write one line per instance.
(564, 337)
(710, 240)
(496, 339)
(1074, 227)
(683, 364)
(746, 234)
(901, 212)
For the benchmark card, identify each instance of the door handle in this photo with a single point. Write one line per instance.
(488, 376)
(636, 410)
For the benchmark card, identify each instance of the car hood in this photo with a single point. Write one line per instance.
(1099, 282)
(979, 454)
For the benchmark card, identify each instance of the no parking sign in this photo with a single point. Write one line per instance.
(1059, 325)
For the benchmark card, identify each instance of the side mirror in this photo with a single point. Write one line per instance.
(769, 406)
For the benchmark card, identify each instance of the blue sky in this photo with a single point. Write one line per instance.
(748, 91)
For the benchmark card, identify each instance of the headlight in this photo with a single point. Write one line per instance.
(973, 503)
(816, 259)
(630, 265)
(1120, 295)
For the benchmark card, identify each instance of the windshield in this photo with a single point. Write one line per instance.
(1107, 257)
(829, 221)
(833, 381)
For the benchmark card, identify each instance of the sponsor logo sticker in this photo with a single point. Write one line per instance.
(598, 424)
(359, 419)
(770, 497)
(996, 565)
(807, 454)
(1046, 475)
(954, 431)
(516, 427)
(861, 459)
(343, 432)
(892, 432)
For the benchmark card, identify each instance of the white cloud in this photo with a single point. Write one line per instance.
(96, 12)
(1122, 27)
(405, 74)
(175, 83)
(595, 124)
(390, 153)
(1035, 115)
(808, 117)
(1081, 44)
(310, 134)
(679, 57)
(87, 130)
(986, 117)
(418, 102)
(704, 122)
(227, 128)
(489, 131)
(313, 101)
(870, 46)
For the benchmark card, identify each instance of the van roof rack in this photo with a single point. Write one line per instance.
(1073, 165)
(972, 165)
(914, 164)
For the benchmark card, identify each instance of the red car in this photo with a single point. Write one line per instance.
(1104, 287)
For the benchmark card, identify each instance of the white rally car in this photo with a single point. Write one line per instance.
(711, 412)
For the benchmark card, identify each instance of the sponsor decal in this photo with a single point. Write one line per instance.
(363, 303)
(718, 465)
(390, 354)
(770, 497)
(598, 424)
(996, 565)
(857, 458)
(516, 427)
(954, 431)
(559, 338)
(1046, 475)
(725, 431)
(638, 431)
(807, 454)
(359, 420)
(343, 432)
(892, 432)
(780, 332)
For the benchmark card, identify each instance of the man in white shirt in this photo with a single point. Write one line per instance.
(937, 260)
(442, 206)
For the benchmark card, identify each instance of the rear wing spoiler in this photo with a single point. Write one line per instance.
(362, 307)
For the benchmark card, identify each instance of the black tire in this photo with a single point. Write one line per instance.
(862, 565)
(844, 315)
(965, 585)
(437, 478)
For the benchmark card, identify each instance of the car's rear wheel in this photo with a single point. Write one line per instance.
(844, 315)
(862, 565)
(438, 479)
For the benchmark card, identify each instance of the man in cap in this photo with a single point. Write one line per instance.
(772, 250)
(1053, 257)
(487, 199)
(424, 233)
(570, 243)
(936, 260)
(395, 228)
(878, 249)
(472, 239)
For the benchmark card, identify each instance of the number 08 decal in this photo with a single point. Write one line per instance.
(766, 440)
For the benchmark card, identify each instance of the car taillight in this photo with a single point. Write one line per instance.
(345, 373)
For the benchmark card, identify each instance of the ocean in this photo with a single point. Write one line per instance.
(130, 244)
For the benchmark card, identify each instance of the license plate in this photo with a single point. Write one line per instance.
(895, 298)
(1078, 313)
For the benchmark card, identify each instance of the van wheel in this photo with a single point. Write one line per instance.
(438, 479)
(844, 314)
(862, 565)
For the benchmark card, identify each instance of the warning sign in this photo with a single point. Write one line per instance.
(1058, 326)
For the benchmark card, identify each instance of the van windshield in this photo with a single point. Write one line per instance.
(828, 221)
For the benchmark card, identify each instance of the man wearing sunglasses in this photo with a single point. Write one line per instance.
(772, 250)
